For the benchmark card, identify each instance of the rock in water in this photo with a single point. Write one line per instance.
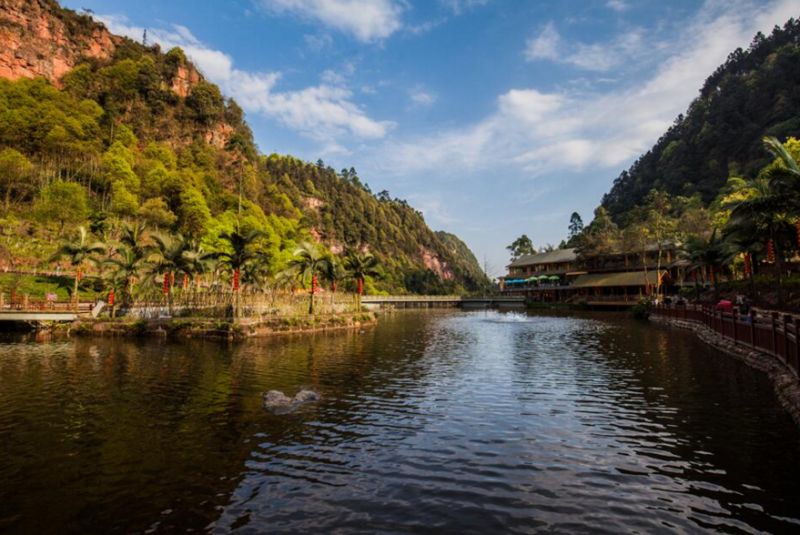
(277, 402)
(305, 396)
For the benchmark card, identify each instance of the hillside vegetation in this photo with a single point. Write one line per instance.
(755, 93)
(141, 136)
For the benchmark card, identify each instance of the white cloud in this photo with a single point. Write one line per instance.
(545, 45)
(617, 5)
(366, 20)
(459, 6)
(541, 133)
(421, 97)
(549, 45)
(317, 42)
(323, 112)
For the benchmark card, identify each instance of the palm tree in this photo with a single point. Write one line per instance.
(779, 151)
(126, 268)
(334, 273)
(360, 266)
(241, 251)
(310, 261)
(169, 255)
(77, 252)
(708, 255)
(761, 213)
(134, 237)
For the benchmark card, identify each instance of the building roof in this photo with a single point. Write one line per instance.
(605, 280)
(553, 257)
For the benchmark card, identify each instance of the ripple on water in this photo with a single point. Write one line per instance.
(476, 422)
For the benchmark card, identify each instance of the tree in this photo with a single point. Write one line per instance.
(78, 251)
(193, 213)
(65, 202)
(241, 251)
(708, 255)
(520, 247)
(359, 266)
(659, 228)
(206, 103)
(170, 254)
(14, 168)
(575, 226)
(126, 267)
(310, 262)
(156, 212)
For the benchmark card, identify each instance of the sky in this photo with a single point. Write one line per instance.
(493, 117)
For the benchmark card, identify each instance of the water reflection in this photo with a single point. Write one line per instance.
(464, 422)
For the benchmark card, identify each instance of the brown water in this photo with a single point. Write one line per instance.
(458, 422)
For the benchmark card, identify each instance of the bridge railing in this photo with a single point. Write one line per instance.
(773, 333)
(409, 298)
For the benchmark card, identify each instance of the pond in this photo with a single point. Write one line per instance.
(450, 422)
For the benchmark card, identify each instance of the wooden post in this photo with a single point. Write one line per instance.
(793, 362)
(735, 322)
(774, 325)
(786, 320)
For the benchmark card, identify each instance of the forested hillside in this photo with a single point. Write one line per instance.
(755, 93)
(97, 130)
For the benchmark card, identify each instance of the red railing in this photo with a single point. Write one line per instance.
(774, 333)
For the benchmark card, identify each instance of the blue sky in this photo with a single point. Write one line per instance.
(493, 117)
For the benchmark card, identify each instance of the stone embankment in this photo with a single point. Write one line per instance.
(219, 329)
(785, 382)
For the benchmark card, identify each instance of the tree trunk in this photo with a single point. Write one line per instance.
(313, 291)
(75, 289)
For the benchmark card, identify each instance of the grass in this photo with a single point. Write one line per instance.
(38, 286)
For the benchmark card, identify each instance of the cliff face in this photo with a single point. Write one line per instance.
(41, 39)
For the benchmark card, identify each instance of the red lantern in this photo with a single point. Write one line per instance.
(748, 265)
(185, 281)
(333, 286)
(770, 251)
(313, 284)
(235, 280)
(166, 283)
(360, 286)
(79, 275)
(111, 297)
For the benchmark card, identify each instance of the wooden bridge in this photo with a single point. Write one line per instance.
(441, 301)
(42, 312)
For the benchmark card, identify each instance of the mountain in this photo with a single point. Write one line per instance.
(755, 93)
(96, 129)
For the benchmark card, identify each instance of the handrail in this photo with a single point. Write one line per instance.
(775, 334)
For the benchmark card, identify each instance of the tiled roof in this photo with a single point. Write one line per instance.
(553, 257)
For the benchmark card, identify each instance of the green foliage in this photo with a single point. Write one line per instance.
(520, 247)
(193, 213)
(64, 202)
(117, 140)
(753, 94)
(205, 103)
(14, 169)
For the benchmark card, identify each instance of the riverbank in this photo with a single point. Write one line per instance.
(240, 329)
(784, 381)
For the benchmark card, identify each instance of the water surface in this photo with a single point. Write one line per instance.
(451, 422)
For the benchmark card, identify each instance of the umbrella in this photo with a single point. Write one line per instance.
(554, 278)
